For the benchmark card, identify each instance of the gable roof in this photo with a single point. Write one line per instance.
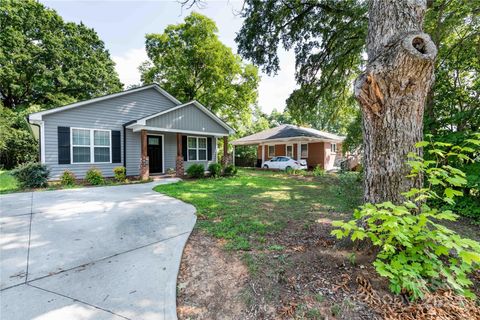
(143, 121)
(37, 116)
(287, 132)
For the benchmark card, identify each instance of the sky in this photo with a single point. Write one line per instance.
(122, 25)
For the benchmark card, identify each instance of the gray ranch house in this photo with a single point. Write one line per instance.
(144, 129)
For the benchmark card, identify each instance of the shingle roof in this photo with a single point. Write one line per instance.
(288, 131)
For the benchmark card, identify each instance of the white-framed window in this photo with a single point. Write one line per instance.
(91, 145)
(333, 147)
(197, 148)
(304, 150)
(271, 151)
(289, 152)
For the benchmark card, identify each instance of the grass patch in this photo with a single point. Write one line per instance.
(245, 208)
(8, 183)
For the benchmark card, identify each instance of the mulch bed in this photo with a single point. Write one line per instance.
(307, 275)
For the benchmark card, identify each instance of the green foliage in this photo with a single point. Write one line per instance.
(215, 170)
(68, 178)
(31, 175)
(94, 176)
(120, 173)
(196, 171)
(49, 62)
(454, 105)
(230, 171)
(191, 63)
(45, 62)
(318, 171)
(416, 253)
(17, 144)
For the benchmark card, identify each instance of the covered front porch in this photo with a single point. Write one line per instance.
(172, 140)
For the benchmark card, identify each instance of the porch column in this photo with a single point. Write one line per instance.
(144, 166)
(179, 167)
(263, 155)
(299, 151)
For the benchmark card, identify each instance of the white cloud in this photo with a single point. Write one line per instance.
(127, 65)
(274, 90)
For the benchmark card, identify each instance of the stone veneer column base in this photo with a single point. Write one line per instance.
(179, 167)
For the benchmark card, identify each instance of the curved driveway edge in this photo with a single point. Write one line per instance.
(92, 253)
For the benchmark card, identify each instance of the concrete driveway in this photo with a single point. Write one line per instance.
(92, 253)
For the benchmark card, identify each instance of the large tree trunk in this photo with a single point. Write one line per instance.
(392, 93)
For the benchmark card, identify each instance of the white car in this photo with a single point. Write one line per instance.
(285, 163)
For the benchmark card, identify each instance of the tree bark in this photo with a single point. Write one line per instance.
(392, 93)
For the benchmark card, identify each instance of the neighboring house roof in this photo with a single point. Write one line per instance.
(143, 121)
(37, 116)
(288, 132)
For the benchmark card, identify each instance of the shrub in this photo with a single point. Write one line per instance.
(171, 171)
(215, 169)
(230, 170)
(94, 176)
(120, 173)
(31, 175)
(318, 171)
(196, 171)
(415, 251)
(68, 178)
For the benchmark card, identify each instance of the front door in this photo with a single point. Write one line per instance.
(154, 152)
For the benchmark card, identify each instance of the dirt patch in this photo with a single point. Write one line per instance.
(211, 281)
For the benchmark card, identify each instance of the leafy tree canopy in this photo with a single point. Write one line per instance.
(48, 62)
(191, 63)
(328, 38)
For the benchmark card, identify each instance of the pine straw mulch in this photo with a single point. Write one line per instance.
(308, 276)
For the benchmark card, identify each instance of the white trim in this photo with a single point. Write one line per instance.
(42, 141)
(38, 115)
(331, 148)
(140, 128)
(197, 148)
(143, 121)
(268, 150)
(163, 151)
(286, 150)
(91, 146)
(301, 150)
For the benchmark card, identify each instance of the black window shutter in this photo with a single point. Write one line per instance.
(209, 148)
(116, 148)
(184, 147)
(63, 145)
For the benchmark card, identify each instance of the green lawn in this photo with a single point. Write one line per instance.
(7, 182)
(243, 209)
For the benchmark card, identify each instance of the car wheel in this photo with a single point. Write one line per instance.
(265, 166)
(288, 169)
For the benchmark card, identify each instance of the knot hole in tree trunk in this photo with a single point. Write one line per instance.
(419, 44)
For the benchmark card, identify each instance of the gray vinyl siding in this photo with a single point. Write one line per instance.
(187, 118)
(134, 150)
(108, 114)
